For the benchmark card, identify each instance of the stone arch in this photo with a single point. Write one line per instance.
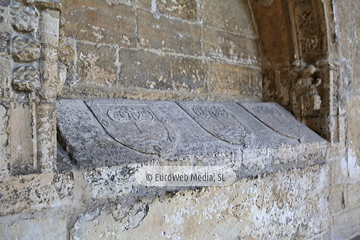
(296, 36)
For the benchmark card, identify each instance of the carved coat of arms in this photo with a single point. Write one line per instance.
(137, 126)
(216, 120)
(275, 118)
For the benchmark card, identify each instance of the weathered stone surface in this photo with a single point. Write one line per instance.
(26, 79)
(346, 224)
(272, 25)
(355, 85)
(117, 2)
(4, 3)
(24, 19)
(281, 121)
(233, 79)
(206, 132)
(148, 70)
(226, 46)
(244, 209)
(41, 225)
(352, 195)
(35, 192)
(4, 44)
(25, 49)
(45, 4)
(338, 170)
(346, 25)
(168, 35)
(353, 157)
(66, 54)
(96, 65)
(146, 4)
(90, 21)
(233, 16)
(4, 138)
(337, 199)
(185, 9)
(22, 138)
(5, 77)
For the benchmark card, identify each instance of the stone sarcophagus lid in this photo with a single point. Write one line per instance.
(251, 138)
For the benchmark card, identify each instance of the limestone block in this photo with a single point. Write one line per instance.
(353, 118)
(26, 79)
(140, 69)
(48, 4)
(232, 16)
(146, 4)
(346, 224)
(96, 65)
(24, 19)
(35, 192)
(336, 200)
(168, 35)
(25, 49)
(234, 79)
(353, 195)
(22, 138)
(230, 47)
(185, 9)
(91, 23)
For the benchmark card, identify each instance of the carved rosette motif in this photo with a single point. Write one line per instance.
(24, 19)
(25, 49)
(26, 79)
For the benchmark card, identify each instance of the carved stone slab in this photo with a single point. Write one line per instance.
(97, 133)
(140, 127)
(279, 120)
(218, 121)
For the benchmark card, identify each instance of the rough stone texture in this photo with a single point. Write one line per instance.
(43, 225)
(94, 22)
(230, 47)
(26, 79)
(185, 9)
(260, 208)
(233, 79)
(148, 70)
(146, 4)
(35, 192)
(233, 16)
(25, 49)
(24, 19)
(4, 44)
(346, 224)
(337, 201)
(97, 65)
(353, 195)
(353, 139)
(143, 131)
(5, 77)
(4, 3)
(4, 138)
(168, 35)
(22, 138)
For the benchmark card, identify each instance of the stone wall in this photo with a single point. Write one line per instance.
(160, 49)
